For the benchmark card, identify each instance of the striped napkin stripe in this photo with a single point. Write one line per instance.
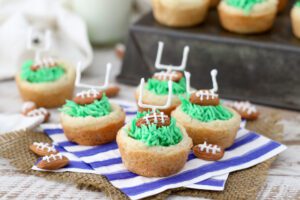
(216, 183)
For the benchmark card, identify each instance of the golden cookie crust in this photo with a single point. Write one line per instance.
(154, 161)
(295, 17)
(221, 133)
(48, 95)
(238, 22)
(180, 16)
(92, 131)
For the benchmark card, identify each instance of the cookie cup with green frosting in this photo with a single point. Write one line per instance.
(295, 18)
(156, 93)
(219, 132)
(251, 17)
(159, 100)
(48, 93)
(180, 13)
(153, 161)
(89, 130)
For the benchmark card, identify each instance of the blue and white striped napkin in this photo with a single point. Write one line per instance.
(248, 150)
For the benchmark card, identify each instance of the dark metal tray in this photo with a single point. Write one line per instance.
(262, 68)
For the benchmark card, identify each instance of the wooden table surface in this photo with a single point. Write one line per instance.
(283, 181)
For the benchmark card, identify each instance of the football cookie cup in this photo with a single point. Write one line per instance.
(295, 17)
(92, 131)
(154, 99)
(219, 132)
(259, 20)
(154, 161)
(48, 94)
(179, 13)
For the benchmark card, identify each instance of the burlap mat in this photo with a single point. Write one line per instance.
(243, 184)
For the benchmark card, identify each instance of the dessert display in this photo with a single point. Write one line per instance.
(205, 118)
(154, 144)
(156, 89)
(295, 17)
(90, 119)
(42, 149)
(210, 152)
(152, 152)
(53, 162)
(46, 81)
(249, 16)
(245, 109)
(180, 13)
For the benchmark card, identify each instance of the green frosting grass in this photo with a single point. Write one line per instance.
(42, 75)
(297, 3)
(161, 87)
(245, 5)
(205, 113)
(153, 136)
(98, 108)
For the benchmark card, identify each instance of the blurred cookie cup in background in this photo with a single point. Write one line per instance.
(295, 18)
(47, 83)
(248, 17)
(180, 13)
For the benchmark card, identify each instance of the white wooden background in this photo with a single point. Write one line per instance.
(283, 181)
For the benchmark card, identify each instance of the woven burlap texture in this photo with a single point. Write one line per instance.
(243, 184)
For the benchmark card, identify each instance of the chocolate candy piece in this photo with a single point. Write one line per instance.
(112, 91)
(44, 63)
(205, 98)
(166, 75)
(27, 107)
(245, 109)
(87, 97)
(53, 162)
(160, 119)
(120, 50)
(208, 152)
(43, 149)
(35, 67)
(39, 112)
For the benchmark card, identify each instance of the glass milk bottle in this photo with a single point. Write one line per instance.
(107, 20)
